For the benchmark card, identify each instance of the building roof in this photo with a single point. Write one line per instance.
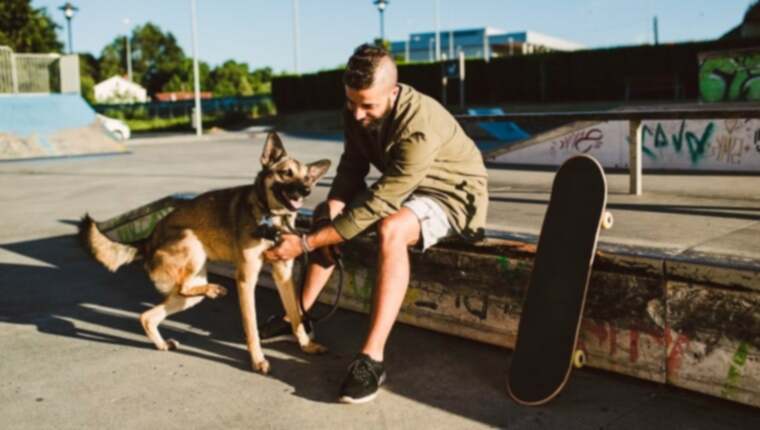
(122, 82)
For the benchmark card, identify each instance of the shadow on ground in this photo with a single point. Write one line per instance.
(70, 291)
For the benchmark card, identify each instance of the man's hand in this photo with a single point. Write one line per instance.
(288, 248)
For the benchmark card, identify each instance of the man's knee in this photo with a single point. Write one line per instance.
(400, 229)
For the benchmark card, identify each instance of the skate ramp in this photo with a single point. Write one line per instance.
(51, 125)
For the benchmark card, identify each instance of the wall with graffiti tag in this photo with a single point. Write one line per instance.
(710, 145)
(729, 76)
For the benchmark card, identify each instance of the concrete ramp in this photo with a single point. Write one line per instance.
(51, 125)
(713, 145)
(505, 132)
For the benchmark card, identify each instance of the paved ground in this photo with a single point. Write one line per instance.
(72, 354)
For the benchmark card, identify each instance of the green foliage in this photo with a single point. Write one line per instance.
(26, 29)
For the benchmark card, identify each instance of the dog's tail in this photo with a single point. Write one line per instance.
(109, 253)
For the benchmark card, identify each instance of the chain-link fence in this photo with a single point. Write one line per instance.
(29, 73)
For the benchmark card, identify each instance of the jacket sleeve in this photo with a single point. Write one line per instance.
(411, 159)
(352, 169)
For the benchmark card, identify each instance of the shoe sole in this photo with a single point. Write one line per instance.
(365, 399)
(352, 401)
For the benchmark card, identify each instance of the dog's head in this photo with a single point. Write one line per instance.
(287, 181)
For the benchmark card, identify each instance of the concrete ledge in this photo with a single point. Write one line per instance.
(688, 319)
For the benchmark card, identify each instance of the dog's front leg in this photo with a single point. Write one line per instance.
(247, 276)
(283, 277)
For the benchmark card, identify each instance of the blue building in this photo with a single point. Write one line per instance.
(484, 42)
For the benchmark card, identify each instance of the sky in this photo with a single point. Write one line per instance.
(260, 32)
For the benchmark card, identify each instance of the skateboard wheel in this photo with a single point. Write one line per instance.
(607, 220)
(579, 359)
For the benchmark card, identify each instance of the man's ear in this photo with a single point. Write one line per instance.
(273, 150)
(317, 169)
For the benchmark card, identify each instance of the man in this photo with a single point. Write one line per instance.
(433, 186)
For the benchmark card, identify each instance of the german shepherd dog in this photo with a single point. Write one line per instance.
(219, 226)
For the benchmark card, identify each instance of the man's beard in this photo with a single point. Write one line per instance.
(374, 125)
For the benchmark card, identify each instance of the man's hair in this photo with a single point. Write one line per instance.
(360, 71)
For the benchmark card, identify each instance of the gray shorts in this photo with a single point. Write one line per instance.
(434, 224)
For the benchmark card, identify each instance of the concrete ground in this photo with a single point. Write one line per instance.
(73, 355)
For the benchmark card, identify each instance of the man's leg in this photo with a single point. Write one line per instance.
(395, 234)
(366, 373)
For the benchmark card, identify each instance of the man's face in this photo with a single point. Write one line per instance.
(370, 106)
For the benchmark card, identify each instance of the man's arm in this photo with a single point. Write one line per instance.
(410, 163)
(291, 245)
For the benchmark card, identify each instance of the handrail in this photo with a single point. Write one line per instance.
(634, 115)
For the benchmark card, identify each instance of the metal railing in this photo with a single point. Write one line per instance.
(634, 115)
(28, 73)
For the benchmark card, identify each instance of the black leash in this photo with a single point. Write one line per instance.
(267, 230)
(304, 268)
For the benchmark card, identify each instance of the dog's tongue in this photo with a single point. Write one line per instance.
(297, 203)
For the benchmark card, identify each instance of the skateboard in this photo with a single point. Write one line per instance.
(547, 335)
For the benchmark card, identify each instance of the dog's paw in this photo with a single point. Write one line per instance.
(261, 367)
(314, 348)
(168, 345)
(215, 291)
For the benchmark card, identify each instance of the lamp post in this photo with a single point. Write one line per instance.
(129, 52)
(68, 11)
(437, 31)
(196, 78)
(381, 5)
(295, 36)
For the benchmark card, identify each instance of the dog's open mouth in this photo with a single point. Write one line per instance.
(293, 203)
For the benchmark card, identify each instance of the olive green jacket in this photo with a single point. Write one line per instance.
(420, 149)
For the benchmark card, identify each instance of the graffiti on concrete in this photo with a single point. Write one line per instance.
(480, 311)
(730, 147)
(735, 370)
(581, 141)
(655, 140)
(730, 76)
(757, 140)
(141, 228)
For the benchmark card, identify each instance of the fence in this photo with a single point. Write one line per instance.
(37, 73)
(651, 73)
(214, 106)
(634, 116)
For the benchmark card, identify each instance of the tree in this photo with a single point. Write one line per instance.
(182, 79)
(26, 29)
(156, 57)
(231, 79)
(88, 73)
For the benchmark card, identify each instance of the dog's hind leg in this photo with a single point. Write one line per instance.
(151, 318)
(283, 278)
(179, 270)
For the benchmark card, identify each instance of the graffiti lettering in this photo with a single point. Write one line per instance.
(695, 144)
(729, 149)
(730, 77)
(582, 141)
(481, 313)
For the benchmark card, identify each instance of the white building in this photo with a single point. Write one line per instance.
(484, 42)
(117, 89)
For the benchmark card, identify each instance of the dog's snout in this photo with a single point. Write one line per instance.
(298, 189)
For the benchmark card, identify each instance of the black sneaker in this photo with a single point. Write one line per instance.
(365, 376)
(276, 329)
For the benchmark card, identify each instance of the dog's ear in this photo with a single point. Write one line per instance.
(273, 150)
(316, 170)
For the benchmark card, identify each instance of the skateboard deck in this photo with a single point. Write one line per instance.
(553, 306)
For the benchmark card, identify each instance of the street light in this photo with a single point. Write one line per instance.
(381, 5)
(68, 11)
(295, 36)
(129, 52)
(198, 117)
